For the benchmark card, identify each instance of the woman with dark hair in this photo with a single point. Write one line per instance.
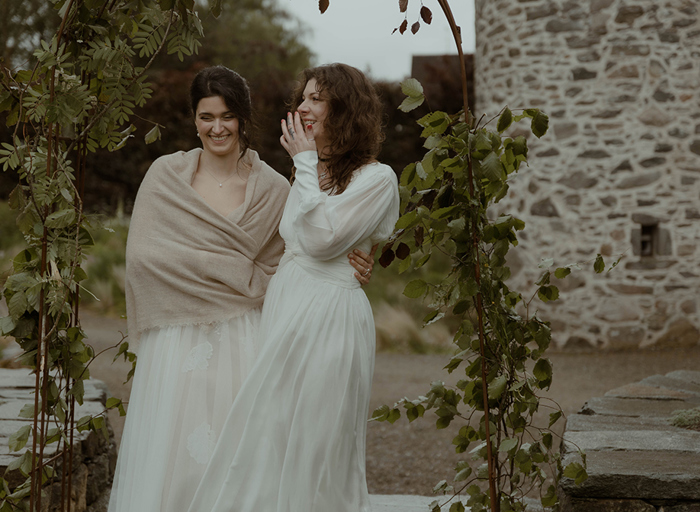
(203, 244)
(294, 439)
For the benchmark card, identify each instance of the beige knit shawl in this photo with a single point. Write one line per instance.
(188, 264)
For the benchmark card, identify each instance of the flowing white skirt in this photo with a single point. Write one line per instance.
(295, 438)
(186, 380)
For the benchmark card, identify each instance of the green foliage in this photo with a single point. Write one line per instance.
(499, 344)
(78, 95)
(686, 418)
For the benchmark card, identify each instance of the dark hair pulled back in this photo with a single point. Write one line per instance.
(233, 89)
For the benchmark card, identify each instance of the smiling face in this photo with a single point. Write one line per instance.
(217, 126)
(313, 110)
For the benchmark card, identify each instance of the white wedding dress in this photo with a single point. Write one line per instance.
(186, 380)
(294, 440)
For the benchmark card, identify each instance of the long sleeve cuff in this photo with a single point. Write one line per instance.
(306, 180)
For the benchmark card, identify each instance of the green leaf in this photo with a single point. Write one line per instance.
(554, 417)
(24, 76)
(576, 472)
(216, 8)
(519, 146)
(492, 167)
(18, 304)
(599, 264)
(469, 289)
(433, 317)
(562, 272)
(408, 220)
(23, 463)
(416, 288)
(420, 171)
(442, 213)
(408, 176)
(550, 497)
(27, 411)
(394, 415)
(443, 422)
(112, 402)
(505, 120)
(547, 440)
(463, 473)
(457, 506)
(381, 413)
(412, 88)
(153, 135)
(540, 124)
(508, 444)
(546, 263)
(497, 386)
(61, 219)
(19, 439)
(7, 325)
(409, 103)
(543, 371)
(78, 391)
(548, 293)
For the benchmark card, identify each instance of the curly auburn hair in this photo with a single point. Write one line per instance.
(353, 125)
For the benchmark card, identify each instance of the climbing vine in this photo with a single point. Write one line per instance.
(447, 200)
(78, 95)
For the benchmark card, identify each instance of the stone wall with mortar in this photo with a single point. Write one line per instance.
(618, 173)
(94, 457)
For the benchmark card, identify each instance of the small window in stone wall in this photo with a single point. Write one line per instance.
(646, 240)
(650, 239)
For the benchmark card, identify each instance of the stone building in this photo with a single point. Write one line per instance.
(618, 173)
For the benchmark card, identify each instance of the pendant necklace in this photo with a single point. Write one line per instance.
(221, 183)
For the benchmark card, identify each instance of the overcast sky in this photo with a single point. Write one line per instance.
(358, 32)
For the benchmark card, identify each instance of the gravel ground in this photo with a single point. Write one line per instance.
(411, 458)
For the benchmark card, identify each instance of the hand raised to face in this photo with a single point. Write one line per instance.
(296, 138)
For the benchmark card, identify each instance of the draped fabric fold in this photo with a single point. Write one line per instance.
(188, 264)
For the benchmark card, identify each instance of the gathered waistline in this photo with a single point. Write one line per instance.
(337, 271)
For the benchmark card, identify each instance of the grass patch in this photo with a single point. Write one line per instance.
(686, 418)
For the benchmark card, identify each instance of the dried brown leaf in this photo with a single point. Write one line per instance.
(418, 235)
(403, 27)
(415, 27)
(387, 257)
(426, 14)
(403, 5)
(323, 5)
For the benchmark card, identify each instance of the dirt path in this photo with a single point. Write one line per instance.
(410, 458)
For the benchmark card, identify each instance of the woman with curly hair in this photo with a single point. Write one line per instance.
(203, 245)
(294, 440)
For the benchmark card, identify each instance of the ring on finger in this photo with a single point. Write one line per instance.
(365, 273)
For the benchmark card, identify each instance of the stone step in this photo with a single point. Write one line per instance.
(411, 503)
(400, 503)
(634, 455)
